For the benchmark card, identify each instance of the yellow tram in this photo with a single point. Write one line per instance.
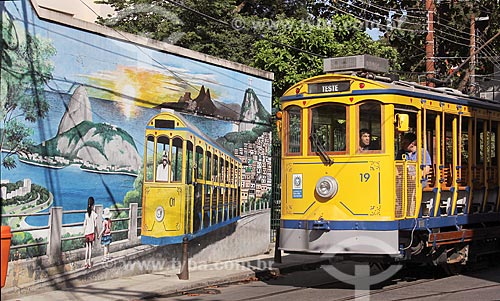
(191, 184)
(352, 198)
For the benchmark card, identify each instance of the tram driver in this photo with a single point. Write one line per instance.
(364, 139)
(163, 170)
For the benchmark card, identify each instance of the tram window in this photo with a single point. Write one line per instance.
(206, 206)
(150, 149)
(220, 202)
(464, 149)
(231, 174)
(177, 154)
(208, 167)
(328, 128)
(189, 163)
(199, 162)
(213, 215)
(370, 126)
(448, 140)
(221, 170)
(162, 158)
(294, 120)
(197, 208)
(215, 173)
(487, 154)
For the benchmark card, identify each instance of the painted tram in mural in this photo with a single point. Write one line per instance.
(191, 184)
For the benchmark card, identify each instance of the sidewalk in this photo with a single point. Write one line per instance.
(167, 282)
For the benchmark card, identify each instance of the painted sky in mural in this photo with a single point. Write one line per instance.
(122, 85)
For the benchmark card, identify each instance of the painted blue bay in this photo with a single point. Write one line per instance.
(71, 187)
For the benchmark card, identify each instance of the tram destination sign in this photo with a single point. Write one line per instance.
(330, 87)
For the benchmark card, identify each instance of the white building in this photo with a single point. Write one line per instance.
(85, 10)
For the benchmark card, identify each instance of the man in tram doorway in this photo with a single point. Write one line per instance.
(410, 149)
(163, 170)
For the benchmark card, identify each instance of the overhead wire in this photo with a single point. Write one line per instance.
(371, 21)
(374, 13)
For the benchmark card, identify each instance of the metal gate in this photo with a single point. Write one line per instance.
(276, 186)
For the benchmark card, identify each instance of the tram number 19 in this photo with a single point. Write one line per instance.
(364, 177)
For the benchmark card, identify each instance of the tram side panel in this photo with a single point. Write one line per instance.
(167, 212)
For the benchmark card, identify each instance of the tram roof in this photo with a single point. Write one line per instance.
(398, 87)
(198, 132)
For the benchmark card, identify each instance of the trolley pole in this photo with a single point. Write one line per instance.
(184, 274)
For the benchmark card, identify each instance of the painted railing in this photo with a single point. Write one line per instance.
(58, 241)
(58, 238)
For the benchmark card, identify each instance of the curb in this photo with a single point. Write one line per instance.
(238, 277)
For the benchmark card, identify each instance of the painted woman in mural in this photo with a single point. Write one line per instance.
(89, 230)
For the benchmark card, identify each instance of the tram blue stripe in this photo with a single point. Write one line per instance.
(407, 224)
(170, 240)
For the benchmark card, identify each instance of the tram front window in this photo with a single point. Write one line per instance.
(370, 126)
(150, 149)
(294, 130)
(328, 128)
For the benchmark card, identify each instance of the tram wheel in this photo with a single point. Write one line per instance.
(452, 269)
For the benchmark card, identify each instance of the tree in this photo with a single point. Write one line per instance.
(25, 68)
(339, 36)
(204, 26)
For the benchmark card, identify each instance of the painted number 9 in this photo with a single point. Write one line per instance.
(364, 177)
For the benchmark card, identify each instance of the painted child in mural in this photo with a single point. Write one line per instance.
(105, 234)
(89, 230)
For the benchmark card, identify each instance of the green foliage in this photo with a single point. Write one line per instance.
(72, 244)
(22, 238)
(25, 69)
(339, 36)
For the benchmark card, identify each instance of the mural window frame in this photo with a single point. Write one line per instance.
(163, 145)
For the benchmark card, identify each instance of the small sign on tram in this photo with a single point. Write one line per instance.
(297, 186)
(330, 87)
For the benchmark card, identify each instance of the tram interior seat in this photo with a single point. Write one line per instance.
(446, 193)
(478, 189)
(429, 192)
(493, 189)
(427, 202)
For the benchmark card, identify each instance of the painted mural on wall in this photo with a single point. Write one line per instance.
(75, 106)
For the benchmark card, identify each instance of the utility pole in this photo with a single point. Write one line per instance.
(429, 43)
(472, 65)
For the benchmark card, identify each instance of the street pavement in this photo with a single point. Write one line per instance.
(167, 281)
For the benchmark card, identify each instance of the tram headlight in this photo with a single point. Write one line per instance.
(327, 187)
